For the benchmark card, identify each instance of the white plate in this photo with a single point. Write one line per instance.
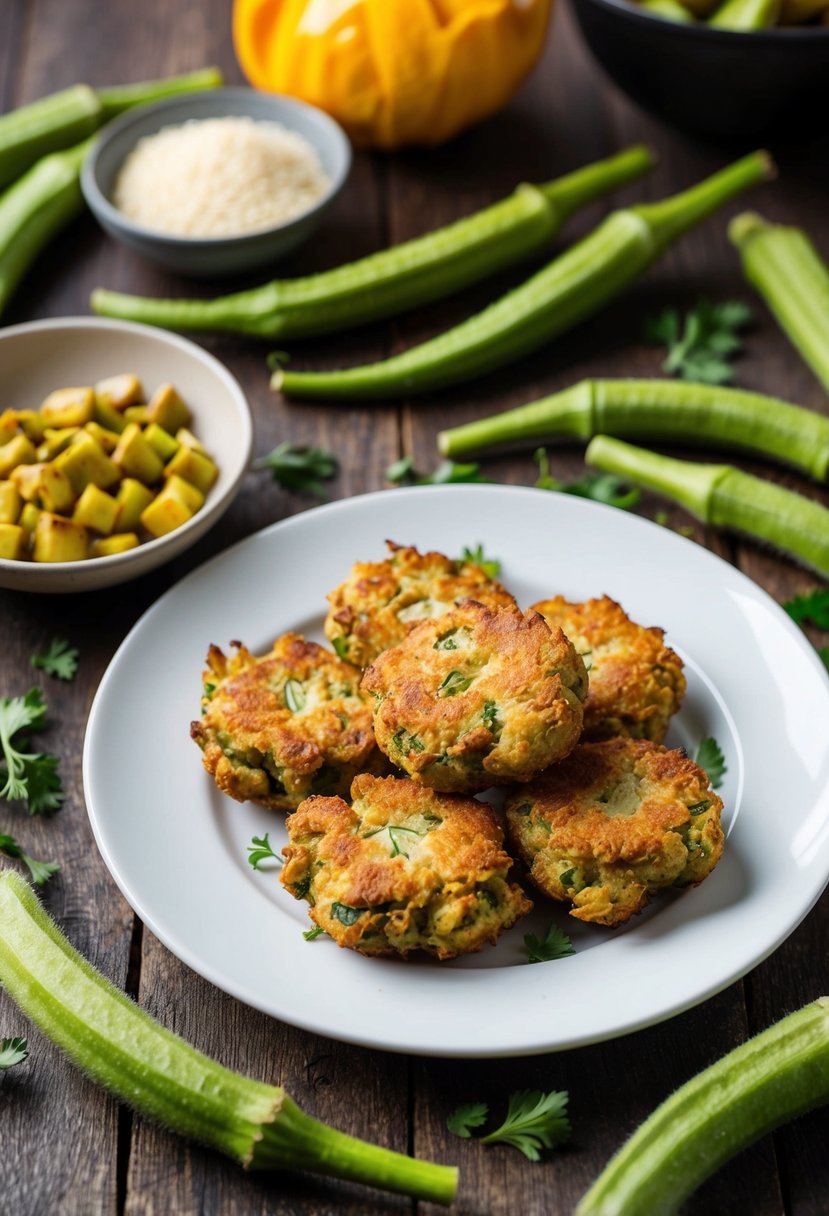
(176, 847)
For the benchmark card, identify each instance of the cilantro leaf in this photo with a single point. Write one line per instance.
(59, 660)
(554, 944)
(260, 850)
(13, 1051)
(709, 757)
(311, 934)
(26, 776)
(41, 871)
(812, 609)
(491, 566)
(465, 1117)
(301, 469)
(535, 1120)
(702, 347)
(600, 487)
(403, 473)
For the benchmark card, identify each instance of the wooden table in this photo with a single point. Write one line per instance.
(68, 1148)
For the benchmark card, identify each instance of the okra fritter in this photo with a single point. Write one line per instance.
(291, 723)
(636, 681)
(402, 869)
(477, 697)
(614, 822)
(379, 602)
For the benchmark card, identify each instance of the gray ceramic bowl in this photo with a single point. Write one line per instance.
(199, 256)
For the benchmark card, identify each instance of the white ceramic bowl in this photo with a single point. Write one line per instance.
(44, 355)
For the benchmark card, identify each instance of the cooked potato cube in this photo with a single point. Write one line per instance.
(199, 470)
(188, 440)
(68, 407)
(85, 463)
(29, 517)
(107, 415)
(162, 443)
(58, 539)
(164, 514)
(55, 489)
(133, 497)
(56, 441)
(9, 426)
(119, 543)
(97, 510)
(27, 479)
(12, 542)
(10, 502)
(106, 438)
(185, 492)
(119, 391)
(137, 414)
(136, 458)
(167, 409)
(31, 424)
(19, 450)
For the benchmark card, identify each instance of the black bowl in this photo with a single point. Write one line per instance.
(717, 83)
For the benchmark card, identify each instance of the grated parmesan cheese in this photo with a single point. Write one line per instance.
(219, 177)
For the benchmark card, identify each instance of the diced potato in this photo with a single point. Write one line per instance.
(189, 440)
(136, 458)
(106, 438)
(27, 479)
(19, 450)
(55, 489)
(133, 497)
(29, 517)
(164, 514)
(137, 414)
(119, 391)
(10, 502)
(85, 463)
(9, 426)
(162, 443)
(97, 510)
(31, 424)
(68, 407)
(12, 542)
(55, 441)
(167, 409)
(185, 492)
(194, 467)
(107, 415)
(59, 540)
(119, 543)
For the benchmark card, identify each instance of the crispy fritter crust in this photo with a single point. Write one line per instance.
(402, 869)
(636, 681)
(278, 728)
(614, 822)
(379, 602)
(477, 697)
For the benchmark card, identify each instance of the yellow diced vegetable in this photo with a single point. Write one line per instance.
(161, 441)
(97, 510)
(31, 424)
(119, 543)
(58, 539)
(106, 438)
(119, 391)
(27, 479)
(185, 492)
(10, 502)
(107, 415)
(55, 441)
(12, 542)
(55, 489)
(85, 463)
(165, 514)
(189, 440)
(133, 497)
(137, 414)
(19, 450)
(167, 409)
(194, 467)
(29, 517)
(136, 458)
(9, 426)
(68, 407)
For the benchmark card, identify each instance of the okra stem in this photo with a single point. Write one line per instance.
(393, 280)
(772, 1078)
(725, 497)
(789, 273)
(656, 409)
(124, 1049)
(566, 291)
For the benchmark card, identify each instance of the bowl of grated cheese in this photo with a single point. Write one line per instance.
(216, 183)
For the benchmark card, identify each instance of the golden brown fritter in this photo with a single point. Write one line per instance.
(636, 681)
(477, 697)
(291, 723)
(402, 869)
(379, 602)
(614, 822)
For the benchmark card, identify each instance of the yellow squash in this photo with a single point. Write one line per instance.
(393, 72)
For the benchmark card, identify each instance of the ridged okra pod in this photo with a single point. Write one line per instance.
(393, 280)
(772, 1078)
(123, 1048)
(785, 267)
(668, 410)
(726, 497)
(572, 287)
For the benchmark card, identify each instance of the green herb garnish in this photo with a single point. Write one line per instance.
(600, 487)
(260, 850)
(535, 1120)
(311, 934)
(466, 1117)
(294, 695)
(702, 348)
(345, 914)
(59, 660)
(554, 944)
(41, 871)
(491, 566)
(568, 877)
(13, 1051)
(301, 469)
(490, 716)
(405, 743)
(709, 757)
(454, 683)
(27, 776)
(811, 609)
(403, 473)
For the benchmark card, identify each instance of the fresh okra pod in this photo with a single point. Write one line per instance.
(574, 286)
(416, 272)
(790, 275)
(123, 1048)
(721, 495)
(656, 409)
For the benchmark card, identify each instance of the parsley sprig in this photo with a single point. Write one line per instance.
(403, 473)
(702, 347)
(710, 757)
(534, 1121)
(13, 1051)
(554, 944)
(491, 566)
(600, 487)
(41, 871)
(260, 850)
(59, 659)
(26, 776)
(301, 469)
(811, 609)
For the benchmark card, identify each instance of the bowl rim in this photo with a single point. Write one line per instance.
(706, 33)
(107, 211)
(47, 571)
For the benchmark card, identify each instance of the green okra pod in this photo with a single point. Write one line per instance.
(408, 275)
(726, 497)
(123, 1048)
(772, 1078)
(668, 410)
(746, 15)
(784, 266)
(574, 286)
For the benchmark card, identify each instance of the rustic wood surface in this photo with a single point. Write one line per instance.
(68, 1148)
